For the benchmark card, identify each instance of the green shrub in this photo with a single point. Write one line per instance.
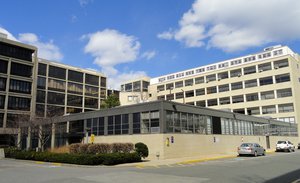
(74, 148)
(142, 149)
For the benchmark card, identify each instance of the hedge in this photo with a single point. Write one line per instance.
(101, 148)
(80, 159)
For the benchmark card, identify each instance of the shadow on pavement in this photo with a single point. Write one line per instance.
(289, 178)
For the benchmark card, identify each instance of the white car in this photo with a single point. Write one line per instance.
(286, 146)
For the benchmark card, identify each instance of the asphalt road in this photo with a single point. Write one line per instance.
(273, 168)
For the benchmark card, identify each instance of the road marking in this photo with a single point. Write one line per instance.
(296, 181)
(40, 162)
(140, 166)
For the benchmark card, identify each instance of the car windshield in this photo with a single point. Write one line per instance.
(246, 145)
(281, 142)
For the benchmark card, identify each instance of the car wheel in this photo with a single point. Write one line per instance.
(255, 153)
(264, 153)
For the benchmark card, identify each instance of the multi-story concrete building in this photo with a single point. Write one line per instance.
(35, 88)
(265, 84)
(17, 85)
(134, 91)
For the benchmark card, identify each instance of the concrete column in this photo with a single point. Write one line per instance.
(19, 138)
(53, 136)
(28, 143)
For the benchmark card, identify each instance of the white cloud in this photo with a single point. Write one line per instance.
(84, 3)
(47, 50)
(149, 54)
(234, 25)
(111, 48)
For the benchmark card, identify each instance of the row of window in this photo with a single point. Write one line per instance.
(224, 75)
(16, 69)
(16, 51)
(137, 86)
(60, 73)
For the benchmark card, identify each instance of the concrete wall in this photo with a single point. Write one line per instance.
(189, 145)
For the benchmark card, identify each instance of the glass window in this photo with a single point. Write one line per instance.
(264, 67)
(101, 126)
(16, 51)
(237, 99)
(253, 111)
(249, 70)
(14, 120)
(189, 93)
(223, 75)
(201, 103)
(212, 102)
(145, 85)
(178, 84)
(74, 100)
(21, 70)
(212, 89)
(91, 102)
(125, 124)
(271, 109)
(56, 85)
(136, 123)
(2, 101)
(224, 100)
(252, 97)
(40, 96)
(137, 86)
(133, 98)
(211, 77)
(281, 63)
(41, 83)
(55, 110)
(282, 78)
(240, 111)
(284, 93)
(267, 95)
(251, 83)
(189, 82)
(266, 81)
(161, 88)
(285, 108)
(170, 97)
(57, 72)
(77, 88)
(92, 80)
(19, 103)
(2, 84)
(118, 123)
(169, 86)
(19, 86)
(73, 110)
(145, 124)
(91, 91)
(237, 85)
(179, 95)
(199, 80)
(103, 82)
(3, 66)
(42, 70)
(1, 120)
(235, 73)
(223, 88)
(128, 87)
(102, 92)
(40, 110)
(75, 76)
(56, 98)
(200, 92)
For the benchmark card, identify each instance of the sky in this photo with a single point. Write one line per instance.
(128, 39)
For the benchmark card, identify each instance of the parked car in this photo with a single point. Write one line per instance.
(298, 145)
(251, 149)
(285, 145)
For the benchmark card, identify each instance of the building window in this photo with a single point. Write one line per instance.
(264, 67)
(55, 111)
(40, 110)
(287, 119)
(222, 65)
(201, 103)
(211, 77)
(281, 63)
(15, 120)
(179, 95)
(222, 75)
(41, 83)
(199, 80)
(248, 59)
(200, 92)
(252, 97)
(240, 111)
(91, 79)
(16, 51)
(179, 75)
(73, 110)
(170, 97)
(284, 93)
(170, 77)
(223, 88)
(267, 95)
(271, 109)
(224, 100)
(189, 93)
(91, 91)
(56, 85)
(160, 87)
(110, 125)
(189, 73)
(136, 123)
(236, 62)
(237, 85)
(212, 102)
(178, 84)
(56, 98)
(40, 96)
(77, 88)
(277, 52)
(75, 76)
(128, 87)
(57, 72)
(19, 86)
(103, 82)
(285, 108)
(212, 67)
(3, 66)
(169, 86)
(1, 120)
(161, 79)
(237, 99)
(137, 86)
(21, 70)
(145, 86)
(2, 84)
(251, 83)
(189, 82)
(266, 81)
(74, 100)
(211, 90)
(200, 70)
(2, 101)
(249, 70)
(18, 103)
(253, 111)
(161, 97)
(282, 78)
(91, 102)
(135, 98)
(42, 69)
(235, 73)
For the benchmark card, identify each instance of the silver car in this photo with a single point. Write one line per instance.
(251, 149)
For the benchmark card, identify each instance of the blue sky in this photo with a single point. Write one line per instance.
(126, 39)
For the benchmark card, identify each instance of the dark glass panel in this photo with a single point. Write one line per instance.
(103, 82)
(18, 103)
(57, 72)
(75, 88)
(1, 120)
(2, 101)
(101, 126)
(42, 70)
(19, 86)
(21, 70)
(92, 91)
(2, 84)
(40, 96)
(73, 110)
(41, 83)
(56, 98)
(3, 66)
(54, 111)
(56, 85)
(74, 100)
(91, 102)
(40, 110)
(15, 120)
(91, 79)
(16, 51)
(75, 76)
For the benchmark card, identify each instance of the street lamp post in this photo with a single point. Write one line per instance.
(183, 96)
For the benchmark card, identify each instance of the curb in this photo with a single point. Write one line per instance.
(206, 159)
